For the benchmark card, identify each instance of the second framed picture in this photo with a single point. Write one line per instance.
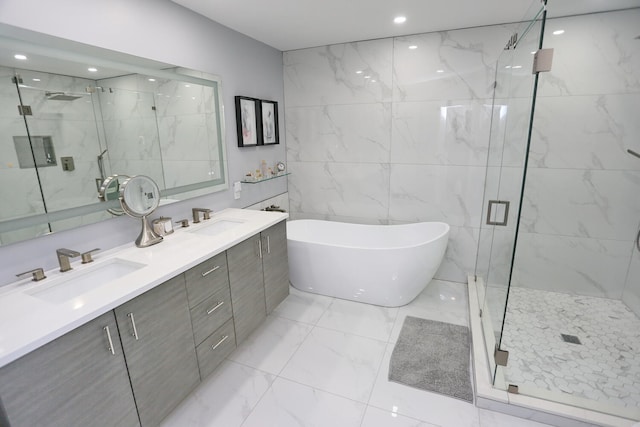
(269, 116)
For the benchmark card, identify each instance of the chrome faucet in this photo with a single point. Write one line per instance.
(63, 258)
(196, 214)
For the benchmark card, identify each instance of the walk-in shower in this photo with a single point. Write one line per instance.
(558, 274)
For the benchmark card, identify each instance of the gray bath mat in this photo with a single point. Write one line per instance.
(433, 356)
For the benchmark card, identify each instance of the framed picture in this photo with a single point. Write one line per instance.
(269, 116)
(247, 113)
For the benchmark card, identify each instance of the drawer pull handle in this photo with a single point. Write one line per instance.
(133, 323)
(268, 245)
(224, 338)
(218, 305)
(110, 348)
(210, 271)
(260, 248)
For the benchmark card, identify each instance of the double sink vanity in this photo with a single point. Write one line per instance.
(121, 341)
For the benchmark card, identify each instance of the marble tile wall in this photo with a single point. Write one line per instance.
(381, 133)
(581, 208)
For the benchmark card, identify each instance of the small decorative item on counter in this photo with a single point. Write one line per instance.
(280, 167)
(162, 226)
(270, 172)
(250, 177)
(263, 168)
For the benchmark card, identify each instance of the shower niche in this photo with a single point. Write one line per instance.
(37, 153)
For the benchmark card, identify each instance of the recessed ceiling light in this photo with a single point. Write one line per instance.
(373, 81)
(359, 72)
(367, 77)
(20, 56)
(152, 80)
(413, 46)
(400, 19)
(92, 69)
(558, 32)
(439, 71)
(187, 85)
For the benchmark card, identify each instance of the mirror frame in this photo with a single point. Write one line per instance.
(54, 47)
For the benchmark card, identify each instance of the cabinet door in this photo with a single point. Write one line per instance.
(156, 334)
(75, 380)
(247, 286)
(275, 264)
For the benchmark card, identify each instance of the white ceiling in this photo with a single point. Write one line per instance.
(296, 24)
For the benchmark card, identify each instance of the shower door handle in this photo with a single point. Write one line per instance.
(505, 217)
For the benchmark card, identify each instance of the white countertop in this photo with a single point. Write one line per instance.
(29, 322)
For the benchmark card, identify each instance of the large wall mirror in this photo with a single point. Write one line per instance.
(73, 116)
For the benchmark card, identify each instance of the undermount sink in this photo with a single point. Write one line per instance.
(76, 283)
(217, 227)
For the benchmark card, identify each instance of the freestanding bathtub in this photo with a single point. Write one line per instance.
(387, 265)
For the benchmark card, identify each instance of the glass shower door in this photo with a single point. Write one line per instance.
(510, 124)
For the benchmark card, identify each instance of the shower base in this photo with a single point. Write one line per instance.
(603, 367)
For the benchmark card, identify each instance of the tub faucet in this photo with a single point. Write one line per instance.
(196, 214)
(63, 258)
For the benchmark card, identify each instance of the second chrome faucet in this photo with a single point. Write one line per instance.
(65, 255)
(196, 214)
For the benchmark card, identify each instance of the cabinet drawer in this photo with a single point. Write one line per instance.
(206, 278)
(215, 348)
(211, 314)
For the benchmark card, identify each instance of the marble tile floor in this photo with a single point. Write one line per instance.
(320, 361)
(604, 367)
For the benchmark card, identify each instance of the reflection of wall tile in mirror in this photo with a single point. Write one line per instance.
(63, 190)
(132, 139)
(184, 172)
(211, 122)
(631, 294)
(344, 189)
(34, 94)
(80, 220)
(452, 194)
(599, 204)
(340, 133)
(466, 64)
(183, 137)
(441, 132)
(604, 44)
(20, 194)
(178, 98)
(23, 234)
(571, 265)
(122, 104)
(150, 168)
(330, 74)
(590, 132)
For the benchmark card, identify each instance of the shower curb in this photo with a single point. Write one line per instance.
(527, 407)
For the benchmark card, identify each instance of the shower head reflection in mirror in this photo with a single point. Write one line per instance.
(134, 116)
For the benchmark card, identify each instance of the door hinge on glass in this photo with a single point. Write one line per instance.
(501, 357)
(25, 110)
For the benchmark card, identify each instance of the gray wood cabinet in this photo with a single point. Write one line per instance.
(79, 379)
(132, 366)
(155, 329)
(275, 264)
(247, 286)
